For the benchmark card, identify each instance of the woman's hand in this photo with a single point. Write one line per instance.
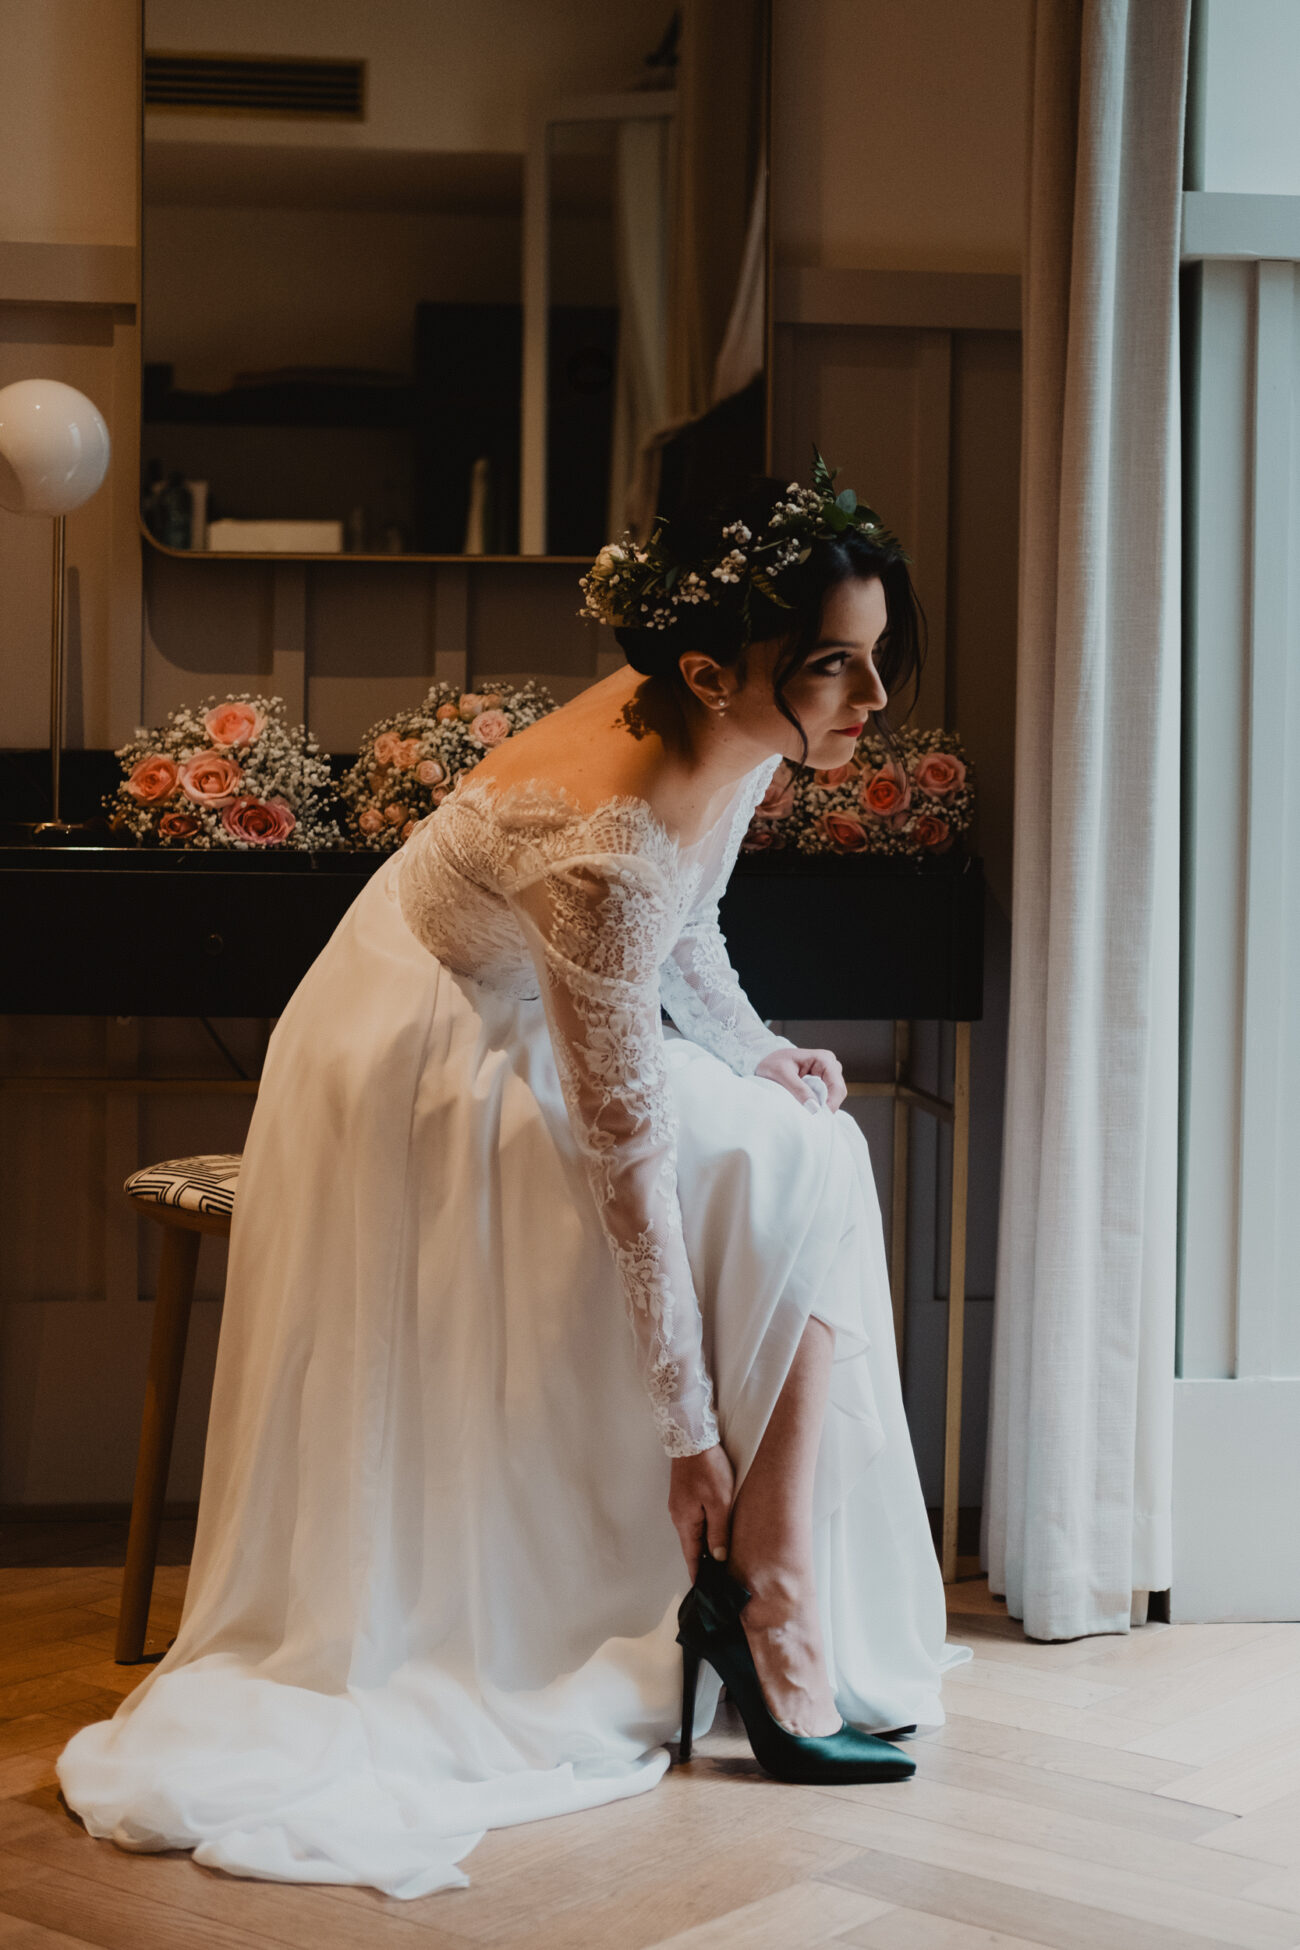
(789, 1067)
(699, 1502)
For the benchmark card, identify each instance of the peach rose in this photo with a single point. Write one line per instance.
(154, 778)
(429, 772)
(179, 825)
(440, 793)
(371, 821)
(836, 774)
(445, 713)
(407, 753)
(492, 701)
(210, 778)
(758, 838)
(394, 814)
(470, 705)
(778, 800)
(844, 831)
(934, 834)
(376, 781)
(235, 723)
(263, 822)
(490, 728)
(408, 829)
(887, 791)
(939, 774)
(387, 746)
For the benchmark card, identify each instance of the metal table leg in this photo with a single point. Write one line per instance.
(956, 1297)
(907, 1096)
(899, 1192)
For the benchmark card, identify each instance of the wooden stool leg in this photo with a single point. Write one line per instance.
(180, 1257)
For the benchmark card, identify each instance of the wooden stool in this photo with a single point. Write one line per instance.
(187, 1197)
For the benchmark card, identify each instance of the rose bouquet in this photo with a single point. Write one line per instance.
(915, 799)
(409, 763)
(227, 773)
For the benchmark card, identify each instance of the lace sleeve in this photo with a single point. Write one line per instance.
(701, 992)
(596, 928)
(698, 985)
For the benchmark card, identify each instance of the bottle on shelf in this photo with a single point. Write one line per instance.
(198, 513)
(151, 499)
(178, 513)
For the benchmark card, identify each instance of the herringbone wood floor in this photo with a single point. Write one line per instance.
(1138, 1793)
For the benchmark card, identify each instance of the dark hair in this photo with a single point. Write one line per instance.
(722, 631)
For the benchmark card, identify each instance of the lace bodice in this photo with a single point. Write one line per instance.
(609, 919)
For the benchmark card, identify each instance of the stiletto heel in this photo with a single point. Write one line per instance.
(708, 1627)
(690, 1674)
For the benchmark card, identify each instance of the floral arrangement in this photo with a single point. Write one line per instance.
(227, 773)
(642, 585)
(915, 799)
(409, 763)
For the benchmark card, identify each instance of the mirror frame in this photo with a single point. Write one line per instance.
(462, 560)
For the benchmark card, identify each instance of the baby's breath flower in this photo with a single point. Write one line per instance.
(387, 798)
(644, 584)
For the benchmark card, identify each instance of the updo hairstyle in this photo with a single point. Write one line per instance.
(718, 628)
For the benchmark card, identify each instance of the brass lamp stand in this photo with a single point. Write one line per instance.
(955, 1110)
(56, 823)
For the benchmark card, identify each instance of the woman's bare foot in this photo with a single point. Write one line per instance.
(784, 1632)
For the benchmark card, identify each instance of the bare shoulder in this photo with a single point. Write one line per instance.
(592, 749)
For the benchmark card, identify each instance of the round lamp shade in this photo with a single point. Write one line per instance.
(53, 447)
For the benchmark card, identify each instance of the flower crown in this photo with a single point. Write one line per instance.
(642, 585)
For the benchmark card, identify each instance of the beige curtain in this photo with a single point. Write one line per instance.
(1077, 1494)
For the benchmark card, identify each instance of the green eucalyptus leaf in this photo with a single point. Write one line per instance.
(847, 500)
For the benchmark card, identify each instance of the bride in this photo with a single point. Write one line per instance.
(534, 1298)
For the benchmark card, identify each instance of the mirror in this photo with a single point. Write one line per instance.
(444, 281)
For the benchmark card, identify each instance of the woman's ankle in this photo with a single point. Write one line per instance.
(781, 1579)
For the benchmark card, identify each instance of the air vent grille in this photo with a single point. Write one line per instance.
(247, 84)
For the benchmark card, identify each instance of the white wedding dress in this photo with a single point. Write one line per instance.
(435, 1584)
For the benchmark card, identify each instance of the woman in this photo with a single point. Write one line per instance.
(434, 1587)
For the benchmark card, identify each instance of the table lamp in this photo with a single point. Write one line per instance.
(54, 450)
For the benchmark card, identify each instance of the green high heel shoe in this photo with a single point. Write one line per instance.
(709, 1627)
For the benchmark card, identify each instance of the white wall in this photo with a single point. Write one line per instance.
(1244, 122)
(67, 89)
(909, 119)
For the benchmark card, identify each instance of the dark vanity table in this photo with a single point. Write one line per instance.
(130, 931)
(135, 931)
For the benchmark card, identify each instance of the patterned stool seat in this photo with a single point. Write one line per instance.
(204, 1186)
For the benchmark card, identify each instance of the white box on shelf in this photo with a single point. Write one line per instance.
(277, 537)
